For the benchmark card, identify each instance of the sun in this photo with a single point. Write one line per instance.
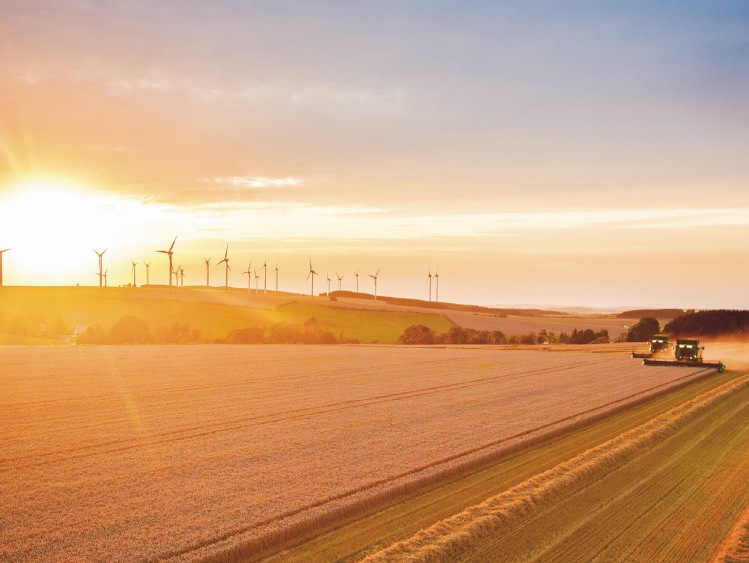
(49, 224)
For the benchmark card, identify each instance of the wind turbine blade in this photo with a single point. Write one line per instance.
(175, 240)
(378, 272)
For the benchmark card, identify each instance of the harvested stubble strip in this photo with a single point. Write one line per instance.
(735, 546)
(449, 538)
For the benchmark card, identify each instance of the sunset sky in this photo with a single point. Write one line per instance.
(567, 153)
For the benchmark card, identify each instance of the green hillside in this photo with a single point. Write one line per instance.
(47, 312)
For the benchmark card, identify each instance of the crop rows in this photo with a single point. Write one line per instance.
(662, 491)
(191, 452)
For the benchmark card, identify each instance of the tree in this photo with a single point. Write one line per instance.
(416, 334)
(643, 330)
(130, 330)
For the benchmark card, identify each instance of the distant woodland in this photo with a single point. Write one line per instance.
(710, 323)
(656, 313)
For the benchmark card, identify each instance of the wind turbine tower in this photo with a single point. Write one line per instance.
(265, 276)
(1, 264)
(100, 255)
(437, 278)
(276, 270)
(170, 253)
(249, 276)
(313, 274)
(226, 261)
(430, 283)
(340, 279)
(357, 280)
(375, 281)
(257, 282)
(134, 263)
(327, 275)
(104, 275)
(207, 271)
(148, 273)
(181, 276)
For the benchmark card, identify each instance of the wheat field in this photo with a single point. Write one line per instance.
(195, 452)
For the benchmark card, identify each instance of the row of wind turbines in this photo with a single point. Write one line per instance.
(177, 276)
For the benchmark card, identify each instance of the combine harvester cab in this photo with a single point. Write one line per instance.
(687, 353)
(659, 344)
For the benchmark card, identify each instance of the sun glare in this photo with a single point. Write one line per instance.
(50, 225)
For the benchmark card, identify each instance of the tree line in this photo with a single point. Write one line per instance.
(718, 322)
(421, 334)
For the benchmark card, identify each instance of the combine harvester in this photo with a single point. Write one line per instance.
(659, 344)
(687, 353)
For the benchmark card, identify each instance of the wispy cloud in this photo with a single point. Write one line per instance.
(255, 182)
(294, 220)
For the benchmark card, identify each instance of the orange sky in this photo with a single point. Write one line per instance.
(535, 155)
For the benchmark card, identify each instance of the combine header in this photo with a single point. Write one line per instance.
(687, 353)
(659, 344)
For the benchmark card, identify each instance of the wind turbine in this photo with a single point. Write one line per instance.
(249, 276)
(375, 280)
(1, 264)
(340, 279)
(357, 280)
(327, 275)
(226, 260)
(437, 277)
(169, 252)
(100, 254)
(276, 270)
(257, 282)
(313, 274)
(148, 274)
(265, 276)
(181, 276)
(175, 273)
(430, 283)
(134, 263)
(207, 271)
(105, 275)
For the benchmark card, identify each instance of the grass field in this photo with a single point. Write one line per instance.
(212, 311)
(199, 452)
